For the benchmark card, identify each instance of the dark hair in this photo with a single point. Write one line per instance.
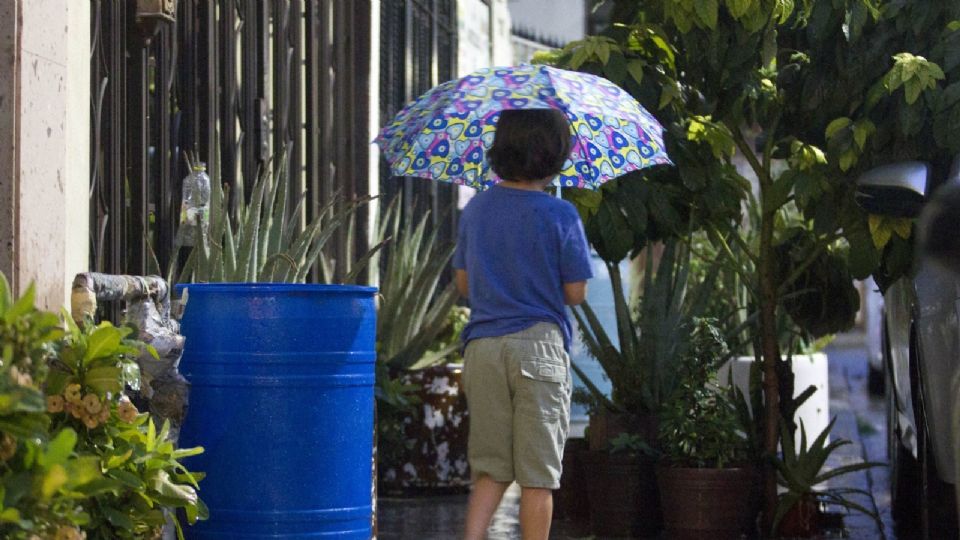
(530, 144)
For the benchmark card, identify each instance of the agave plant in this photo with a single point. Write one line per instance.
(801, 471)
(651, 338)
(263, 240)
(412, 312)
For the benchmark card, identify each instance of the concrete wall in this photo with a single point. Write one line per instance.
(44, 123)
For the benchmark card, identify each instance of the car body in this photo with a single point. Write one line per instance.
(921, 358)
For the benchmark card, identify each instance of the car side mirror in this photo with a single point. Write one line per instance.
(896, 190)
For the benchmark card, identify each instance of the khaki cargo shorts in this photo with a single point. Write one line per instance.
(518, 392)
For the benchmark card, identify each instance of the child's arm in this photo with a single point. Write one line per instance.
(574, 293)
(461, 278)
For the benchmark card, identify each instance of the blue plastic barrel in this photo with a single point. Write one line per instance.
(281, 398)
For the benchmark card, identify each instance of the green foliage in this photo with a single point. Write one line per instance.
(270, 238)
(416, 322)
(811, 94)
(141, 469)
(801, 471)
(652, 339)
(74, 453)
(699, 424)
(413, 309)
(631, 444)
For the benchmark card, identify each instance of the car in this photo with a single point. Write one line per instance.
(873, 324)
(920, 360)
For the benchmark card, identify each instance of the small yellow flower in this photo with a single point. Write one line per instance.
(90, 421)
(55, 404)
(75, 410)
(126, 410)
(72, 393)
(92, 403)
(8, 446)
(104, 414)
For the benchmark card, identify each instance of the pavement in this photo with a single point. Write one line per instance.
(859, 419)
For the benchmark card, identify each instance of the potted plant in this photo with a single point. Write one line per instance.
(650, 338)
(800, 470)
(421, 412)
(708, 474)
(653, 337)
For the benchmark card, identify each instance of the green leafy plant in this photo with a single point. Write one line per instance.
(142, 476)
(801, 472)
(413, 309)
(269, 238)
(414, 312)
(699, 423)
(76, 458)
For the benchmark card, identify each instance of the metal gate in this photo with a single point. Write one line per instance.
(418, 50)
(237, 82)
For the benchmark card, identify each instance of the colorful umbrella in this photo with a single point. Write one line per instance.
(445, 133)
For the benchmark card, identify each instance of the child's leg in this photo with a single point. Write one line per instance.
(536, 512)
(484, 500)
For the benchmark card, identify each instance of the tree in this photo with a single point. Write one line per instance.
(809, 94)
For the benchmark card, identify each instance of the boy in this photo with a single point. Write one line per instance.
(521, 255)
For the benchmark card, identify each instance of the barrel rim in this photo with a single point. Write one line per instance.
(266, 287)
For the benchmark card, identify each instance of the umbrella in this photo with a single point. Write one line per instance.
(445, 133)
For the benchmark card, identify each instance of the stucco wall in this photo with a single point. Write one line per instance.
(44, 126)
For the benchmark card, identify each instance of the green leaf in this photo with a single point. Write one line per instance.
(668, 94)
(23, 305)
(104, 379)
(151, 436)
(53, 480)
(707, 12)
(635, 69)
(836, 125)
(102, 342)
(127, 478)
(59, 449)
(117, 518)
(739, 8)
(862, 130)
(912, 90)
(117, 460)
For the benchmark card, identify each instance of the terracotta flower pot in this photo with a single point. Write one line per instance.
(802, 520)
(623, 495)
(571, 501)
(713, 504)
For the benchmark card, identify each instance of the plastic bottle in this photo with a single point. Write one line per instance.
(194, 206)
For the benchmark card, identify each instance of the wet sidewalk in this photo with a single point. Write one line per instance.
(860, 419)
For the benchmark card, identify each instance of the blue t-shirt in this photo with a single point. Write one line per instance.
(518, 248)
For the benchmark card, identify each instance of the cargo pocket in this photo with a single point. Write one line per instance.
(543, 387)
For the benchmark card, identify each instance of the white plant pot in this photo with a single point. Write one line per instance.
(808, 369)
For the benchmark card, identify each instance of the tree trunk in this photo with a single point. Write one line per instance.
(770, 348)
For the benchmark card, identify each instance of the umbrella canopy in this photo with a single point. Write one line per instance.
(444, 135)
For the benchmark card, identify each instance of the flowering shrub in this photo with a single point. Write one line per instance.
(77, 460)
